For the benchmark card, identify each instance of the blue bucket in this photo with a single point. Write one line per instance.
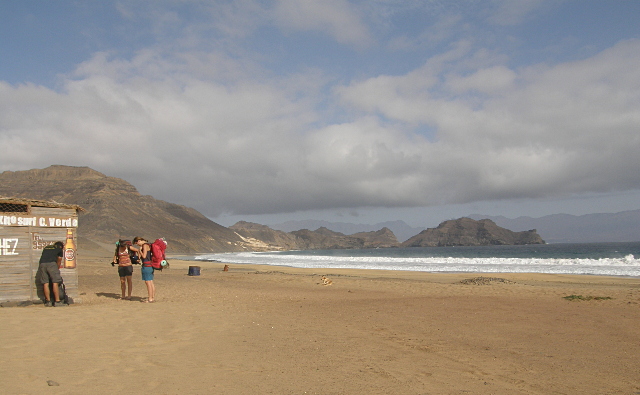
(194, 270)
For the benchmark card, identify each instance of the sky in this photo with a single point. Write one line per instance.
(348, 111)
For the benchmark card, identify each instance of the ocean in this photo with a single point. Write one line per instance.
(607, 259)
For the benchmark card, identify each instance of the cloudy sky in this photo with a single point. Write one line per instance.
(353, 111)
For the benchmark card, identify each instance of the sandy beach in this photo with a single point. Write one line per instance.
(277, 330)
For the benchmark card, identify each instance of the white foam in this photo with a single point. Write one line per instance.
(627, 266)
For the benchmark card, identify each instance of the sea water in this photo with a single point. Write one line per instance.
(608, 259)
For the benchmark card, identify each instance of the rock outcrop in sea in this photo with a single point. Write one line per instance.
(469, 232)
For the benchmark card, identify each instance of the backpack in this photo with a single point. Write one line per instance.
(62, 293)
(158, 259)
(133, 256)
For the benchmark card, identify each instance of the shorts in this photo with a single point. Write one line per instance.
(124, 271)
(48, 271)
(147, 273)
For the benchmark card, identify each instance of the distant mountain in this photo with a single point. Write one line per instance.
(565, 228)
(469, 232)
(305, 239)
(556, 228)
(399, 228)
(115, 209)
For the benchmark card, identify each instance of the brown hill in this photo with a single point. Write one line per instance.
(469, 232)
(115, 209)
(325, 239)
(305, 239)
(382, 238)
(263, 238)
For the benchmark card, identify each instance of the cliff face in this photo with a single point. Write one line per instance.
(469, 232)
(115, 209)
(320, 239)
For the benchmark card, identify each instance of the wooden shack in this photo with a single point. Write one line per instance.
(26, 227)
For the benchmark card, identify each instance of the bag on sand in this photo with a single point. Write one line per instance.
(158, 259)
(62, 292)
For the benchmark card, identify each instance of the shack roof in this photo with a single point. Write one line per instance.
(38, 203)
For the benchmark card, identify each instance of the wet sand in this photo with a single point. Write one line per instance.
(276, 330)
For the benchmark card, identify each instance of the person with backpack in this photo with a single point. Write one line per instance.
(49, 271)
(122, 258)
(152, 259)
(147, 270)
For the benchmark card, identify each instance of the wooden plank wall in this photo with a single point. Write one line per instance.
(15, 271)
(19, 265)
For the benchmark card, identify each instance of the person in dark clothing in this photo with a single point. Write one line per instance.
(49, 271)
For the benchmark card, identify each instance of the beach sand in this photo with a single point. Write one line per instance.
(277, 330)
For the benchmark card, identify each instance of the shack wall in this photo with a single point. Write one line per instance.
(23, 235)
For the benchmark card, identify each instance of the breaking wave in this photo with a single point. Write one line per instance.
(626, 265)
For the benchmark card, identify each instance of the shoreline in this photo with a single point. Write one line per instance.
(592, 259)
(185, 263)
(277, 329)
(214, 262)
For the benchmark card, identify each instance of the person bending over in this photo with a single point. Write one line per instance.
(49, 271)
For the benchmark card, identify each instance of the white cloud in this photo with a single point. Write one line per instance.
(337, 18)
(214, 128)
(539, 130)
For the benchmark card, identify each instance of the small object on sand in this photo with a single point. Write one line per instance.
(226, 268)
(52, 383)
(194, 270)
(326, 281)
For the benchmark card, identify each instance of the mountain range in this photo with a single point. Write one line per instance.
(556, 228)
(114, 209)
(399, 228)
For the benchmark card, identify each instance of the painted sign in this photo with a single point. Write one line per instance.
(8, 246)
(39, 221)
(38, 243)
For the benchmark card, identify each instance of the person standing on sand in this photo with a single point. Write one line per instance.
(147, 269)
(49, 270)
(125, 268)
